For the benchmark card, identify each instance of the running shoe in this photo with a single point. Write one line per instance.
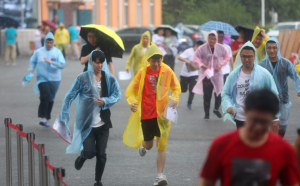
(98, 183)
(206, 117)
(79, 162)
(44, 123)
(216, 112)
(189, 106)
(142, 151)
(161, 180)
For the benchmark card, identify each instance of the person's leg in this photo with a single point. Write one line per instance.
(53, 85)
(101, 137)
(285, 111)
(13, 54)
(76, 50)
(7, 53)
(172, 62)
(192, 82)
(183, 83)
(225, 77)
(239, 123)
(161, 158)
(207, 90)
(44, 97)
(148, 132)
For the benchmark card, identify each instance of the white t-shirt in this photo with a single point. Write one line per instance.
(145, 50)
(243, 86)
(226, 68)
(189, 55)
(157, 39)
(37, 35)
(98, 122)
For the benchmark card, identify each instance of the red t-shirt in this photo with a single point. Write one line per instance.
(148, 106)
(235, 46)
(235, 163)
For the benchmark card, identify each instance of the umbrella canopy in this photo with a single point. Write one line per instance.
(219, 26)
(108, 39)
(248, 31)
(5, 21)
(165, 27)
(50, 24)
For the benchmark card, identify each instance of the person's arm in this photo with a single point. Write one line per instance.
(56, 37)
(227, 97)
(33, 62)
(111, 68)
(205, 182)
(133, 88)
(197, 61)
(115, 96)
(175, 89)
(68, 36)
(226, 57)
(84, 59)
(231, 62)
(60, 61)
(292, 73)
(297, 147)
(130, 59)
(183, 57)
(184, 60)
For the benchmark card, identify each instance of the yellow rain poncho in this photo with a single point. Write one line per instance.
(136, 58)
(261, 52)
(167, 81)
(298, 69)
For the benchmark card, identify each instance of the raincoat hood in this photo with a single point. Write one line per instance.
(147, 33)
(179, 29)
(261, 53)
(238, 60)
(91, 66)
(278, 47)
(49, 36)
(255, 33)
(153, 50)
(215, 33)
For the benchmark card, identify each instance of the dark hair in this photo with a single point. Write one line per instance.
(39, 27)
(248, 48)
(11, 25)
(220, 32)
(49, 39)
(211, 34)
(262, 100)
(156, 56)
(199, 42)
(98, 55)
(271, 42)
(259, 34)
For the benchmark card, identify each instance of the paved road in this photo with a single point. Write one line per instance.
(188, 141)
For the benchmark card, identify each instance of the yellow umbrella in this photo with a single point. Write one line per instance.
(107, 38)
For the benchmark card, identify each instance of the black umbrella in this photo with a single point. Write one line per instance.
(167, 27)
(6, 21)
(248, 32)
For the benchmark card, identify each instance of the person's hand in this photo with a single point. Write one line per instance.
(47, 60)
(263, 33)
(30, 71)
(173, 104)
(218, 67)
(188, 62)
(134, 107)
(230, 111)
(173, 45)
(100, 102)
(204, 66)
(127, 70)
(98, 48)
(298, 94)
(280, 97)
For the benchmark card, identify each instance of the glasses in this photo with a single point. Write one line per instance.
(91, 37)
(271, 48)
(254, 120)
(247, 57)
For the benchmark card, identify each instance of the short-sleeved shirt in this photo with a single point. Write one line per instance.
(148, 106)
(226, 68)
(236, 45)
(73, 33)
(11, 35)
(243, 89)
(232, 161)
(87, 49)
(189, 55)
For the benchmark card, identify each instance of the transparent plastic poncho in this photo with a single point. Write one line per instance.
(260, 78)
(46, 72)
(85, 91)
(204, 56)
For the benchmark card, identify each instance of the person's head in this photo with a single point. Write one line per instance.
(160, 32)
(261, 107)
(39, 27)
(92, 37)
(61, 26)
(145, 40)
(155, 62)
(168, 33)
(220, 37)
(98, 59)
(55, 17)
(49, 43)
(272, 49)
(11, 25)
(258, 40)
(241, 34)
(247, 56)
(197, 44)
(212, 39)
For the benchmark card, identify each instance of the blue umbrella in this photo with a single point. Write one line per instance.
(219, 26)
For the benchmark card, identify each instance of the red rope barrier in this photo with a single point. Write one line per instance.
(49, 165)
(34, 145)
(12, 125)
(23, 134)
(62, 181)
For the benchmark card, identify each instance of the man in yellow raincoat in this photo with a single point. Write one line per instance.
(148, 96)
(259, 40)
(62, 39)
(136, 58)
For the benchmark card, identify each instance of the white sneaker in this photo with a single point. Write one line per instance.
(161, 180)
(142, 150)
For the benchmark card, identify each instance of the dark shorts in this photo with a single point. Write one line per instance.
(150, 129)
(239, 123)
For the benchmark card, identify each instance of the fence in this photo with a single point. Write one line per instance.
(43, 160)
(289, 41)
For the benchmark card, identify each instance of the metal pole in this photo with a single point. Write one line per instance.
(20, 157)
(56, 179)
(40, 155)
(8, 153)
(263, 13)
(45, 171)
(31, 165)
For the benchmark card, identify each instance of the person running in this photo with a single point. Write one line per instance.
(62, 38)
(210, 58)
(147, 95)
(96, 91)
(247, 77)
(237, 44)
(259, 40)
(170, 45)
(37, 38)
(189, 75)
(10, 45)
(252, 155)
(159, 40)
(93, 44)
(226, 68)
(75, 42)
(48, 61)
(281, 68)
(136, 58)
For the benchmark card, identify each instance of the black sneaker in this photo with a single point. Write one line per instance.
(219, 115)
(98, 183)
(79, 162)
(206, 117)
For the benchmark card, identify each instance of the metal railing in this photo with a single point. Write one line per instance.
(43, 160)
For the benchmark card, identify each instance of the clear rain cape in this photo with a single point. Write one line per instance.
(137, 55)
(167, 81)
(260, 78)
(204, 56)
(85, 91)
(46, 72)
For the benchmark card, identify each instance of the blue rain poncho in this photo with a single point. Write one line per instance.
(85, 90)
(46, 72)
(179, 29)
(260, 78)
